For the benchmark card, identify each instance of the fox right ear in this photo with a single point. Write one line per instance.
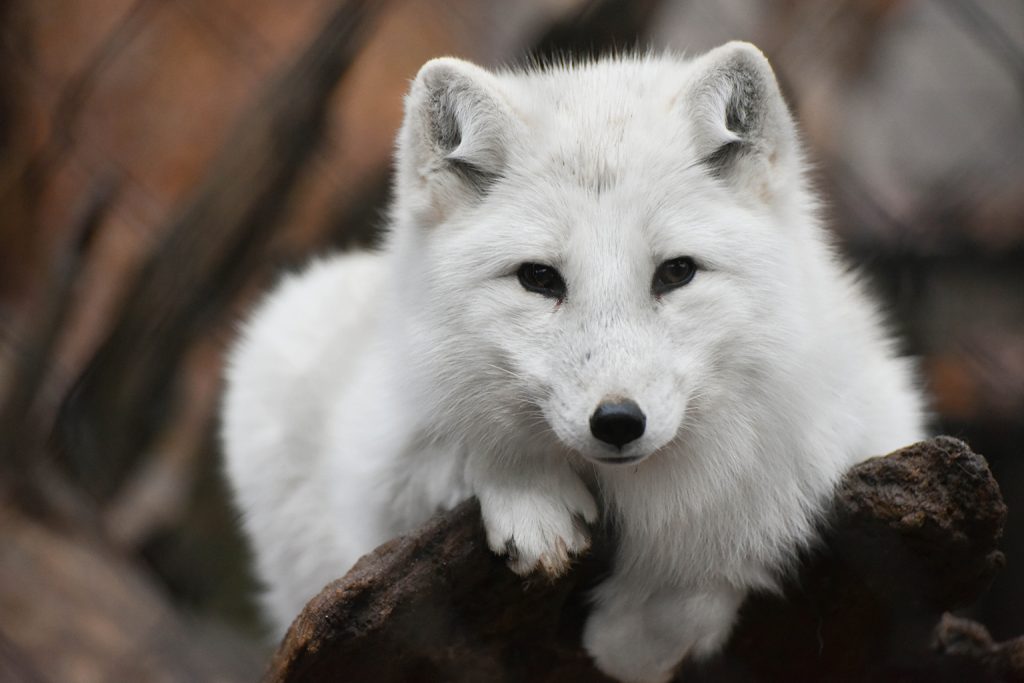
(455, 137)
(741, 127)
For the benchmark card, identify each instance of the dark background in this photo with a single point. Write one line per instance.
(163, 160)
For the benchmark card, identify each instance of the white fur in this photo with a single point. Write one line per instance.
(373, 390)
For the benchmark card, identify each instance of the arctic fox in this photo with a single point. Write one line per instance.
(605, 292)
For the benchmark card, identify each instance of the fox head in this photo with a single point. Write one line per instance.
(601, 257)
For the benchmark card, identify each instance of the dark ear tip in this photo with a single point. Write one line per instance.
(743, 52)
(441, 71)
(436, 71)
(743, 57)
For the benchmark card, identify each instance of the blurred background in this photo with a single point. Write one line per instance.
(164, 160)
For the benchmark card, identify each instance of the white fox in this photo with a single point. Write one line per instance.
(605, 292)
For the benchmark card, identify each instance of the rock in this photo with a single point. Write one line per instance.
(969, 645)
(913, 534)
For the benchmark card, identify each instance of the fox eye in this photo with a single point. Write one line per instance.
(674, 273)
(536, 277)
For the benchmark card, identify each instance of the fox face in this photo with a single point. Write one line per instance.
(588, 274)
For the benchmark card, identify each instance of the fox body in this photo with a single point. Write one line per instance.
(605, 293)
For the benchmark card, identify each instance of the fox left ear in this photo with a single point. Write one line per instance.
(455, 138)
(742, 129)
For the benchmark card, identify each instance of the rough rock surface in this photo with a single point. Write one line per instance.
(967, 644)
(913, 535)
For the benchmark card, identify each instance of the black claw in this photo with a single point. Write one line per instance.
(580, 524)
(512, 550)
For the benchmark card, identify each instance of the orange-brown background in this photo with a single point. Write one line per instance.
(913, 112)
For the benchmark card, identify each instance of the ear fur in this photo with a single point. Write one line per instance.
(741, 126)
(456, 134)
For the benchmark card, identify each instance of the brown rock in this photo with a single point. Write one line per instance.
(969, 644)
(913, 534)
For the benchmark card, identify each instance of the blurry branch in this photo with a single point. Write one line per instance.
(351, 224)
(159, 489)
(989, 35)
(81, 85)
(73, 96)
(598, 27)
(190, 280)
(818, 49)
(23, 422)
(811, 37)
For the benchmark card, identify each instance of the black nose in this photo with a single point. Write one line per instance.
(618, 422)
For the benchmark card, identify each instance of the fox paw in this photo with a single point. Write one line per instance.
(536, 531)
(638, 639)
